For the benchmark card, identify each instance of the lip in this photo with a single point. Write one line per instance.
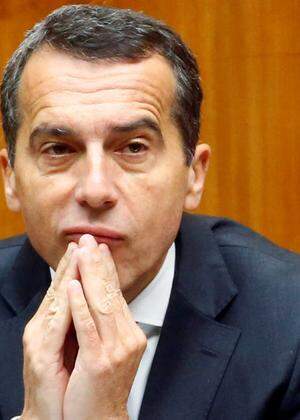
(101, 234)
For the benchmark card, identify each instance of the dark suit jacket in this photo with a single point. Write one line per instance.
(228, 348)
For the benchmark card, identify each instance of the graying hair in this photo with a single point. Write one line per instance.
(94, 32)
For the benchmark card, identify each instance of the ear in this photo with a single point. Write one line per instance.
(9, 180)
(196, 176)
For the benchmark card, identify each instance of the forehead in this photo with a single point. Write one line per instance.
(55, 81)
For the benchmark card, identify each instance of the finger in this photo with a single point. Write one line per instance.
(98, 274)
(62, 267)
(57, 317)
(100, 284)
(128, 328)
(108, 307)
(86, 331)
(87, 240)
(63, 264)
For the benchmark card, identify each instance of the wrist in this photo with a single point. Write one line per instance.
(120, 415)
(26, 416)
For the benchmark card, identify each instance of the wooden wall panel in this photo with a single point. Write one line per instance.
(249, 54)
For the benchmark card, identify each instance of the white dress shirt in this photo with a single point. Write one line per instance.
(148, 310)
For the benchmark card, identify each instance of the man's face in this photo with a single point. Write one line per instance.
(98, 152)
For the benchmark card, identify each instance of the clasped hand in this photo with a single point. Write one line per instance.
(87, 375)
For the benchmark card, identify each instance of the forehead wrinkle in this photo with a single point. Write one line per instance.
(148, 94)
(153, 92)
(140, 86)
(65, 83)
(98, 126)
(149, 102)
(58, 111)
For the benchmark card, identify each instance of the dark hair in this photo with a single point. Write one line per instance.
(94, 32)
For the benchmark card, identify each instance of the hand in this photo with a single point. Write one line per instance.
(110, 343)
(45, 374)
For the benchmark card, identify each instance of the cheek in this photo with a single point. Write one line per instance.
(43, 203)
(156, 202)
(166, 189)
(42, 198)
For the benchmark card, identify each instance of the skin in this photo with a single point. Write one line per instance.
(97, 146)
(97, 382)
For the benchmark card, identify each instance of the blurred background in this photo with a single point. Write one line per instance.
(249, 56)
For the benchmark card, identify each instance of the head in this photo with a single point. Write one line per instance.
(100, 113)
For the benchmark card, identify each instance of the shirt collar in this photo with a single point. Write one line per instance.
(150, 306)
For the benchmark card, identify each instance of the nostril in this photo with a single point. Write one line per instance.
(96, 198)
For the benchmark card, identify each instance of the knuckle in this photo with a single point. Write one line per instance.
(37, 367)
(26, 339)
(34, 364)
(142, 341)
(118, 358)
(131, 345)
(109, 272)
(82, 311)
(53, 326)
(89, 327)
(90, 330)
(95, 310)
(28, 326)
(141, 338)
(104, 371)
(101, 368)
(135, 346)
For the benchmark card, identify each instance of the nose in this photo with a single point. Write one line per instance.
(95, 185)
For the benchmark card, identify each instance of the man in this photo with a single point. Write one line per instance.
(149, 313)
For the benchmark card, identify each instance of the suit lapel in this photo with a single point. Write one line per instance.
(28, 276)
(194, 349)
(23, 292)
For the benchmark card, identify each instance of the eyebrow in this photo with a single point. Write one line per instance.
(144, 123)
(61, 132)
(50, 131)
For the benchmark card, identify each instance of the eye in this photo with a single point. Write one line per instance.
(134, 148)
(57, 149)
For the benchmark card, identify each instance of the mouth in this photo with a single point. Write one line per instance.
(101, 235)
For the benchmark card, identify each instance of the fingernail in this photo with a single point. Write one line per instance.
(104, 248)
(88, 240)
(75, 285)
(72, 246)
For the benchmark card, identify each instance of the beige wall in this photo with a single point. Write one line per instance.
(249, 53)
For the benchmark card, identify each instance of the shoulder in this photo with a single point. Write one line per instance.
(9, 249)
(235, 238)
(230, 234)
(12, 242)
(248, 256)
(265, 274)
